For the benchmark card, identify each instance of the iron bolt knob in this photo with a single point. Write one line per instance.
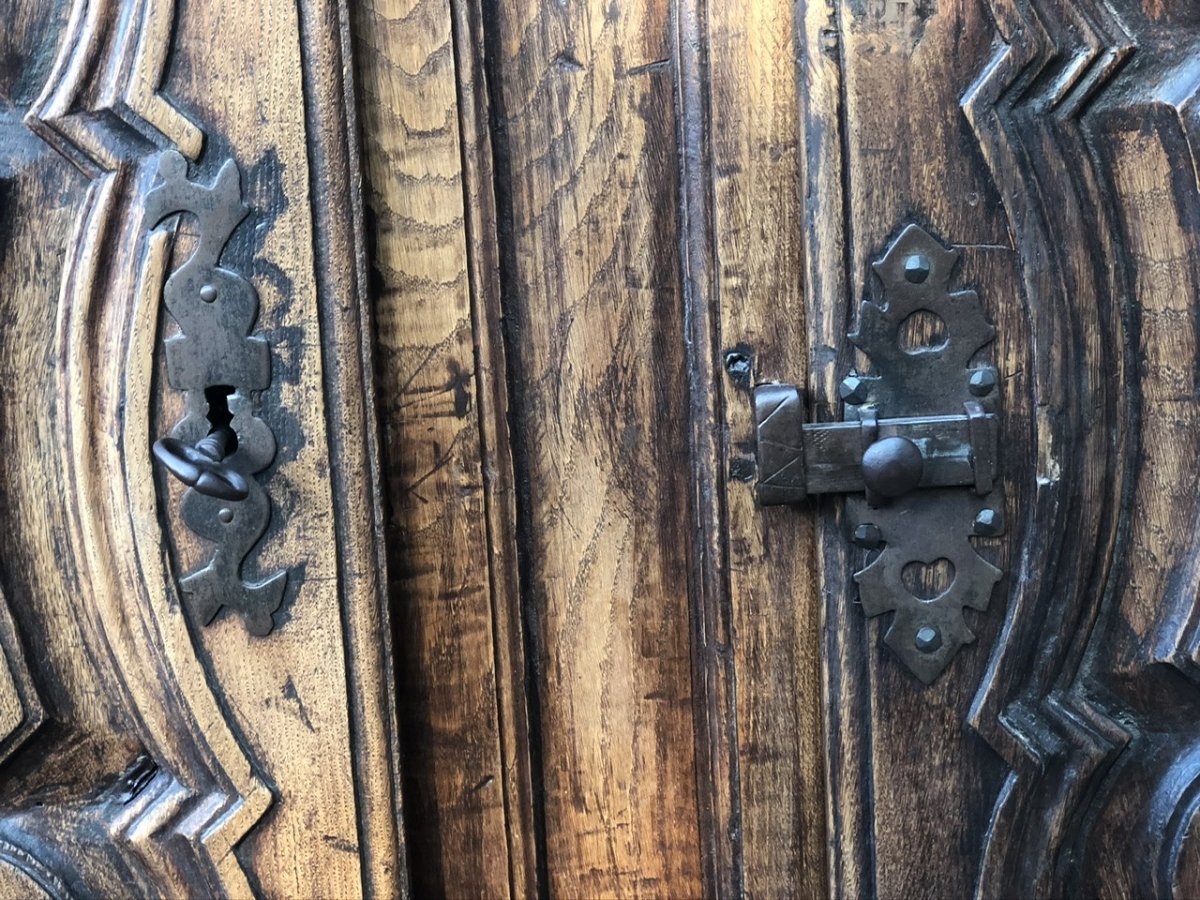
(983, 381)
(892, 467)
(202, 467)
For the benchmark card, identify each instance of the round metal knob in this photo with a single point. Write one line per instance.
(892, 467)
(202, 470)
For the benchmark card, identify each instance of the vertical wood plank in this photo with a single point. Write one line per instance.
(906, 159)
(760, 233)
(468, 810)
(588, 181)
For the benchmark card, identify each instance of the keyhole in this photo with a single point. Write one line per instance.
(928, 581)
(219, 415)
(922, 332)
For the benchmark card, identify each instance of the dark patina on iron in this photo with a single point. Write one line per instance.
(917, 451)
(215, 359)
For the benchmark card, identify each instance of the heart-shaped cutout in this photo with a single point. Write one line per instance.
(928, 581)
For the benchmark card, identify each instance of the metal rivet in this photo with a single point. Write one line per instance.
(983, 381)
(892, 467)
(853, 389)
(208, 293)
(917, 268)
(737, 364)
(927, 639)
(225, 515)
(868, 535)
(987, 523)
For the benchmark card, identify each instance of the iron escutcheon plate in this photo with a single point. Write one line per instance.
(216, 309)
(927, 526)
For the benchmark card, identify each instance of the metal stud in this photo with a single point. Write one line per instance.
(853, 389)
(927, 639)
(868, 535)
(917, 268)
(987, 523)
(983, 381)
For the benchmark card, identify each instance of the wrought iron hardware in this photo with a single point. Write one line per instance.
(919, 442)
(202, 467)
(221, 442)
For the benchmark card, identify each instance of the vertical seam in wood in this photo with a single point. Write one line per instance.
(347, 125)
(819, 195)
(496, 466)
(719, 830)
(866, 781)
(491, 11)
(371, 428)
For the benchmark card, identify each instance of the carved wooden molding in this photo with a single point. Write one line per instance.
(21, 710)
(100, 109)
(1035, 814)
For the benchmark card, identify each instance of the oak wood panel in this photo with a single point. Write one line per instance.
(759, 230)
(1139, 671)
(177, 758)
(447, 678)
(588, 186)
(1055, 754)
(468, 806)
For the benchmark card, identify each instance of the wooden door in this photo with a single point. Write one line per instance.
(455, 312)
(187, 709)
(598, 226)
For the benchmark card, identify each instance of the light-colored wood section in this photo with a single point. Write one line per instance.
(588, 177)
(1163, 250)
(287, 692)
(467, 790)
(759, 230)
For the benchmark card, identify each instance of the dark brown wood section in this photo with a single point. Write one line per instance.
(639, 171)
(1055, 145)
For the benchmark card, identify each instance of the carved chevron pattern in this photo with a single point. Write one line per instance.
(103, 89)
(100, 109)
(1040, 107)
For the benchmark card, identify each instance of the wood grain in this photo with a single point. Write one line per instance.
(460, 665)
(759, 230)
(588, 190)
(1061, 179)
(174, 758)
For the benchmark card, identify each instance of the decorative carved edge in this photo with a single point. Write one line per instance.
(1036, 717)
(106, 349)
(21, 711)
(103, 89)
(100, 109)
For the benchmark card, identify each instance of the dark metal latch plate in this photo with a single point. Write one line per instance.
(917, 451)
